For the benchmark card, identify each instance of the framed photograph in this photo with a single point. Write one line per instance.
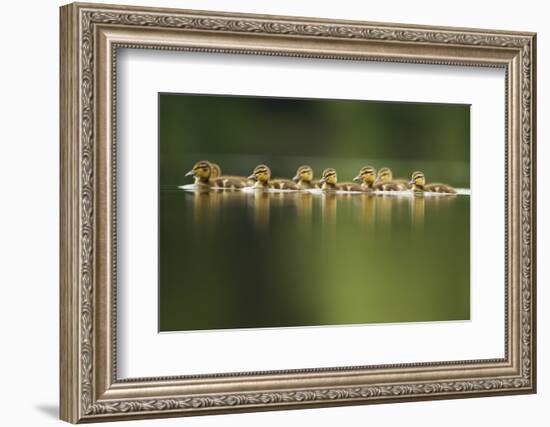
(265, 212)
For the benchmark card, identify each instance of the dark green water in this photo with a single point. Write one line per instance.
(238, 260)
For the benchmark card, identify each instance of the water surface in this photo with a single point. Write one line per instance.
(233, 260)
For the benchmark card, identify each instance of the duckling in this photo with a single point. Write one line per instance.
(366, 178)
(262, 180)
(385, 182)
(202, 172)
(418, 182)
(329, 182)
(304, 178)
(350, 186)
(217, 173)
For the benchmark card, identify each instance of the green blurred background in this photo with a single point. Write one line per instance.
(237, 260)
(240, 132)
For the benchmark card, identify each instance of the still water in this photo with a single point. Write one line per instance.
(233, 260)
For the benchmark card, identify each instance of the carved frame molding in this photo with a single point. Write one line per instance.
(90, 37)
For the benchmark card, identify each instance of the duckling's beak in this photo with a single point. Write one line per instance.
(190, 173)
(357, 178)
(377, 180)
(411, 182)
(296, 178)
(252, 177)
(322, 180)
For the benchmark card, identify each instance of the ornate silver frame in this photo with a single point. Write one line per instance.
(90, 36)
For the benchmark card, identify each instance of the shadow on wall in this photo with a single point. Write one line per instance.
(51, 410)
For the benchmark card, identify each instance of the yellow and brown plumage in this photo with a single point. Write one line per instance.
(207, 176)
(329, 182)
(201, 173)
(366, 178)
(304, 178)
(216, 170)
(385, 182)
(261, 175)
(217, 173)
(418, 183)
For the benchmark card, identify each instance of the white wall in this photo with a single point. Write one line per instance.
(29, 170)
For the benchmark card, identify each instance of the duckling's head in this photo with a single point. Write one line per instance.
(261, 174)
(304, 174)
(329, 177)
(384, 175)
(202, 171)
(366, 175)
(418, 179)
(216, 170)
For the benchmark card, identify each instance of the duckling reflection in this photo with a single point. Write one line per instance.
(283, 199)
(304, 206)
(440, 203)
(262, 208)
(259, 204)
(417, 206)
(261, 175)
(385, 182)
(304, 178)
(384, 207)
(366, 204)
(419, 186)
(328, 208)
(206, 206)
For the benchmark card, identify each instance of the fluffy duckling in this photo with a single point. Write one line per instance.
(329, 182)
(202, 173)
(262, 180)
(217, 173)
(304, 178)
(418, 182)
(385, 182)
(366, 178)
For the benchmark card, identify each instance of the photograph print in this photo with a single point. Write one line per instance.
(290, 212)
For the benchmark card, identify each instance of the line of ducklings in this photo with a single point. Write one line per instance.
(209, 175)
